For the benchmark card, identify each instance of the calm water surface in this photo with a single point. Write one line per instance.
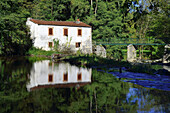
(31, 86)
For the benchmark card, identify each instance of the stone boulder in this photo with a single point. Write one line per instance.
(131, 53)
(99, 50)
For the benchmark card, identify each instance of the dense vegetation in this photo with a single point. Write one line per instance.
(111, 20)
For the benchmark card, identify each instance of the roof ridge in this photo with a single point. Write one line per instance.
(59, 23)
(52, 21)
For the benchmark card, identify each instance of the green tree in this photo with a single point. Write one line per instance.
(14, 38)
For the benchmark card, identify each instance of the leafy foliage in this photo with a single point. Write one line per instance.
(14, 38)
(111, 20)
(56, 45)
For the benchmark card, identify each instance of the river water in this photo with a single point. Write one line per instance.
(29, 85)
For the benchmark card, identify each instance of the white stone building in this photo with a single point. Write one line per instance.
(46, 74)
(73, 35)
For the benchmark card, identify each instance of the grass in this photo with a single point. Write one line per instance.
(39, 52)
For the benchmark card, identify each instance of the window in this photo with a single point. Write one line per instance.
(79, 76)
(65, 30)
(65, 76)
(50, 31)
(50, 44)
(50, 78)
(79, 32)
(78, 44)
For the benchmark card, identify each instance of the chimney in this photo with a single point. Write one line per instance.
(29, 18)
(78, 21)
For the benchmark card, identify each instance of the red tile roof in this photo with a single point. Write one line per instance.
(59, 23)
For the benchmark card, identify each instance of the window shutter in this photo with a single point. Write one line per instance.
(65, 32)
(78, 44)
(79, 32)
(79, 76)
(50, 78)
(50, 31)
(50, 44)
(65, 77)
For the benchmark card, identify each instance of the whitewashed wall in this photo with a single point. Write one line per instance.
(40, 33)
(41, 70)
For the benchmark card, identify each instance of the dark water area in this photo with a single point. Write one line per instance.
(42, 86)
(157, 81)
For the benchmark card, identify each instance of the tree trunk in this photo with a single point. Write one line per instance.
(95, 100)
(96, 8)
(91, 8)
(91, 105)
(52, 9)
(91, 4)
(142, 53)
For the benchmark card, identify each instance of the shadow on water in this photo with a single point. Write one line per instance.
(45, 86)
(156, 80)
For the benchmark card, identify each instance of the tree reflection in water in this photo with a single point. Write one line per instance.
(104, 93)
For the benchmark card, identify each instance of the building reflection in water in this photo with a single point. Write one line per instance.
(46, 74)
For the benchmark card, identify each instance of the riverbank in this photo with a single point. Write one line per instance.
(107, 64)
(93, 61)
